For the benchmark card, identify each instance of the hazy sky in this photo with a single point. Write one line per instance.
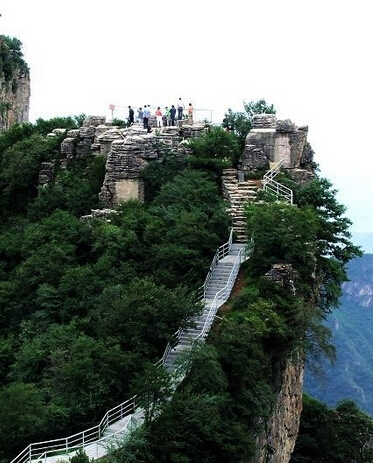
(310, 59)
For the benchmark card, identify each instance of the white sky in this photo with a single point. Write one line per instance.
(310, 59)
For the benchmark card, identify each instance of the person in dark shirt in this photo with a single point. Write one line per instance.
(131, 115)
(172, 114)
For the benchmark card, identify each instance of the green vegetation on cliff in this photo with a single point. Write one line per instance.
(11, 58)
(87, 306)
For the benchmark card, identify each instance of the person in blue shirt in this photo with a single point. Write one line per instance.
(172, 115)
(146, 116)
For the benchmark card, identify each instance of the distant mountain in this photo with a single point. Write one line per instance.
(351, 377)
(365, 240)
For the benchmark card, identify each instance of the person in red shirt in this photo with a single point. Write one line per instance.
(158, 115)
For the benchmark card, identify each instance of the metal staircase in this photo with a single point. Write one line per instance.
(117, 422)
(216, 291)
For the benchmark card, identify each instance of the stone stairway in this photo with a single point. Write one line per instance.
(217, 285)
(237, 193)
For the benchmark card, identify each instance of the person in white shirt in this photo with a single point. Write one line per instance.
(180, 109)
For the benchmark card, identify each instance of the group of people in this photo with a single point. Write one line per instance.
(172, 115)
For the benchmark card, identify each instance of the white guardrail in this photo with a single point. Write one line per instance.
(274, 187)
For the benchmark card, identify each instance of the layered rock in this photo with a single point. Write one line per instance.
(271, 140)
(15, 99)
(129, 155)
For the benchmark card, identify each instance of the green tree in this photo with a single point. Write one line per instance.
(44, 127)
(279, 236)
(144, 315)
(241, 122)
(153, 385)
(23, 417)
(19, 171)
(81, 374)
(11, 58)
(334, 248)
(215, 150)
(15, 133)
(335, 436)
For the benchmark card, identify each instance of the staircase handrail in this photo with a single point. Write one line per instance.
(221, 252)
(221, 295)
(40, 450)
(279, 190)
(273, 171)
(275, 187)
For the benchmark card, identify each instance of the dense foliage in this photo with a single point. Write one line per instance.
(11, 58)
(229, 392)
(339, 435)
(87, 306)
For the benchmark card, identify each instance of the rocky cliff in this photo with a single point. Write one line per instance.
(15, 88)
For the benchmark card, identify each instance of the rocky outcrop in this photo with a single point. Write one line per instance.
(277, 442)
(14, 99)
(132, 151)
(271, 140)
(126, 150)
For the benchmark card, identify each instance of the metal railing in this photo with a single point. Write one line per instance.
(221, 252)
(275, 170)
(40, 451)
(274, 187)
(221, 296)
(279, 190)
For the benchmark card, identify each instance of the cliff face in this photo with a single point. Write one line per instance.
(15, 100)
(276, 443)
(15, 89)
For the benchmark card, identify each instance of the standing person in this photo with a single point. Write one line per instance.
(146, 116)
(158, 115)
(131, 115)
(167, 114)
(172, 115)
(190, 113)
(140, 116)
(180, 109)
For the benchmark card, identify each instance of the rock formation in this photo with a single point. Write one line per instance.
(271, 140)
(276, 443)
(14, 84)
(14, 100)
